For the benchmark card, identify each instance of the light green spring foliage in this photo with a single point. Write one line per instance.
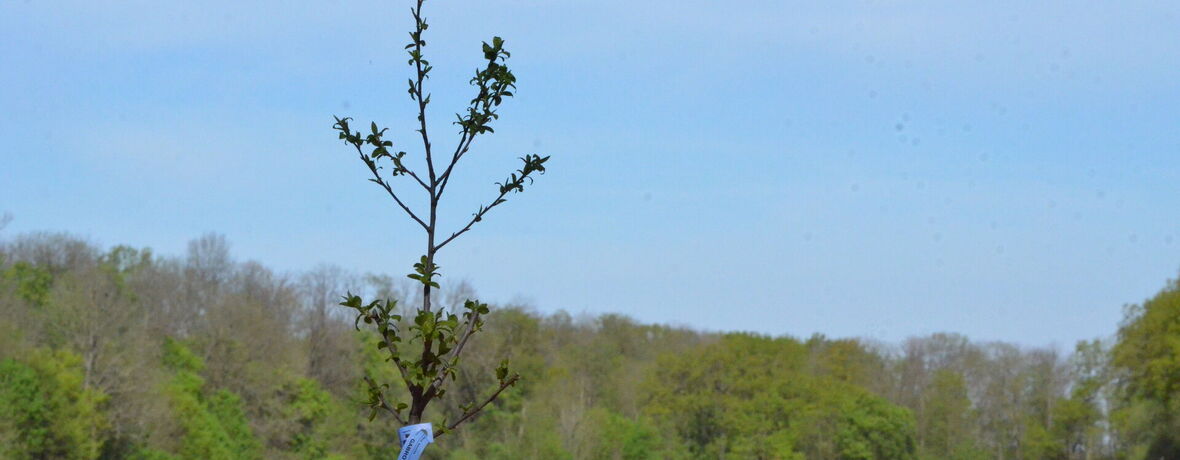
(1148, 355)
(44, 410)
(216, 360)
(752, 397)
(945, 430)
(318, 420)
(212, 422)
(29, 282)
(619, 437)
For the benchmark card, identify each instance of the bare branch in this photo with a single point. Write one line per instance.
(465, 139)
(379, 181)
(415, 176)
(475, 410)
(476, 218)
(460, 150)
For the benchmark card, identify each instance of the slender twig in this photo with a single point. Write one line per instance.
(466, 137)
(476, 218)
(393, 356)
(453, 355)
(465, 140)
(466, 334)
(415, 176)
(379, 181)
(459, 151)
(417, 12)
(381, 399)
(475, 410)
(464, 145)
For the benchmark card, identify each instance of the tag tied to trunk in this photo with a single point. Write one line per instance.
(414, 439)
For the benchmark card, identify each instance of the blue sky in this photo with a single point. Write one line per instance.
(1008, 170)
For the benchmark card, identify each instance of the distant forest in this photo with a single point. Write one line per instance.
(119, 353)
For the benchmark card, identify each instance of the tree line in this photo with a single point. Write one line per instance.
(111, 353)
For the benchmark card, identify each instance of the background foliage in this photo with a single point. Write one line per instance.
(120, 353)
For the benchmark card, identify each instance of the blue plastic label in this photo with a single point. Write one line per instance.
(414, 439)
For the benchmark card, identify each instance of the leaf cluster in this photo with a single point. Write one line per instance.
(425, 374)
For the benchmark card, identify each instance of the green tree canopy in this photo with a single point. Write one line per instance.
(45, 412)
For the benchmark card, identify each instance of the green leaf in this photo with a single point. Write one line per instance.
(502, 371)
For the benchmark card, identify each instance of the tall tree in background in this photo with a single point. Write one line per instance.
(427, 354)
(1147, 361)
